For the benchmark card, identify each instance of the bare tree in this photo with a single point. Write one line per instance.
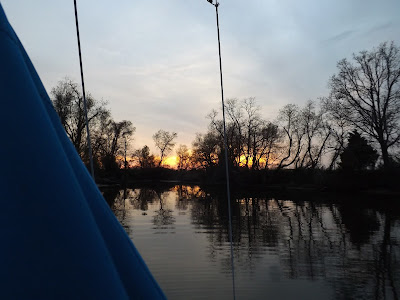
(183, 155)
(115, 135)
(235, 128)
(317, 133)
(68, 103)
(265, 145)
(247, 132)
(339, 128)
(164, 141)
(252, 124)
(206, 150)
(293, 133)
(144, 158)
(233, 142)
(368, 91)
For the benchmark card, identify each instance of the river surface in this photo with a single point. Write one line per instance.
(285, 247)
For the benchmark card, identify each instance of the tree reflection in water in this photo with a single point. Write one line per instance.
(352, 246)
(163, 219)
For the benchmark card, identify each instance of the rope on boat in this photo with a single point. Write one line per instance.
(226, 156)
(83, 93)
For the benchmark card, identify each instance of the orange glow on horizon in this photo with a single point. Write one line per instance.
(170, 161)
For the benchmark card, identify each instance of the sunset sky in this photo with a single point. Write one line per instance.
(156, 62)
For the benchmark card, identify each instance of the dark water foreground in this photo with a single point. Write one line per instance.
(284, 247)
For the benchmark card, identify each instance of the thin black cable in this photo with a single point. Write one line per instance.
(226, 156)
(83, 93)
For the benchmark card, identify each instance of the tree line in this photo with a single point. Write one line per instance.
(107, 135)
(109, 138)
(357, 126)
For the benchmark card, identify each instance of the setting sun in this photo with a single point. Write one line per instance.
(171, 161)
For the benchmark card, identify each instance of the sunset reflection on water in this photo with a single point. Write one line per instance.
(283, 248)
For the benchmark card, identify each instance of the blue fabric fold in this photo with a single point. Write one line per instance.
(59, 238)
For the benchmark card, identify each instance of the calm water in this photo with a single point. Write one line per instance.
(284, 247)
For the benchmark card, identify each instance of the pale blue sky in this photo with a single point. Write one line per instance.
(156, 62)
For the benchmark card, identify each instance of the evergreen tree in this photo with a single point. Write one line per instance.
(358, 155)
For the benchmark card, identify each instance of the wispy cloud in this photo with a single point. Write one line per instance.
(340, 37)
(156, 62)
(379, 27)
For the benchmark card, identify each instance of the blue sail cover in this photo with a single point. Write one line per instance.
(58, 237)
